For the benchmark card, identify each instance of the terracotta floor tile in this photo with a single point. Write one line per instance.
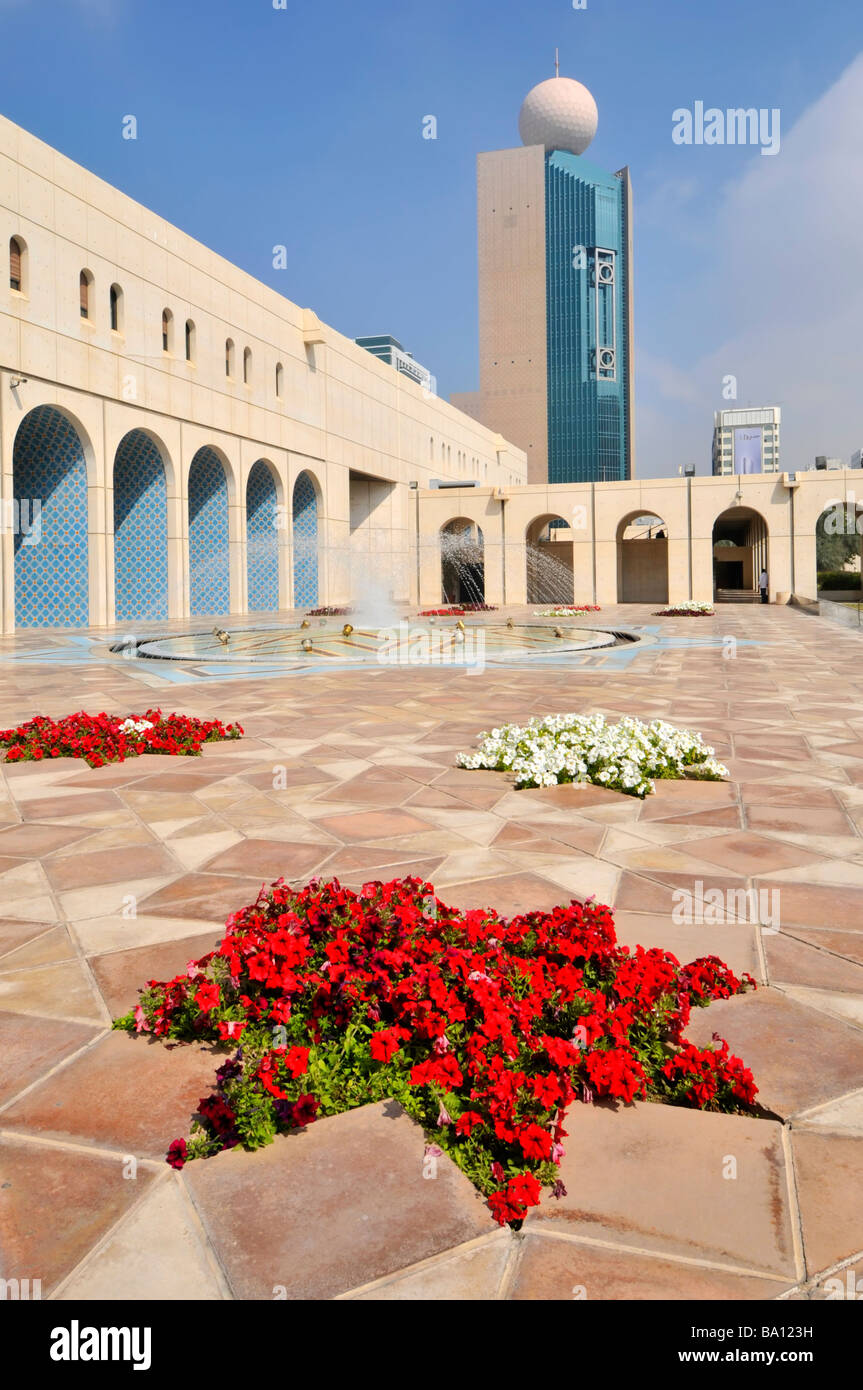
(799, 1056)
(733, 943)
(269, 859)
(35, 841)
(109, 866)
(508, 894)
(16, 934)
(55, 991)
(565, 1270)
(465, 1275)
(121, 974)
(829, 1173)
(749, 853)
(840, 943)
(373, 825)
(360, 1174)
(820, 905)
(804, 820)
(156, 1254)
(210, 897)
(147, 1094)
(77, 807)
(31, 1046)
(652, 1176)
(56, 1206)
(794, 962)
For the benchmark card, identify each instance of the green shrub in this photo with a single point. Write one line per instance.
(838, 579)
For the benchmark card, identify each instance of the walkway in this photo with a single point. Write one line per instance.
(112, 877)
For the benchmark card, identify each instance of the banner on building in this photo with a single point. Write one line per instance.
(747, 449)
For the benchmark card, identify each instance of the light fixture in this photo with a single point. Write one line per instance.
(17, 381)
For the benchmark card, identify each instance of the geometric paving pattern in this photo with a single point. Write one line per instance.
(140, 530)
(50, 489)
(305, 516)
(209, 570)
(352, 775)
(262, 540)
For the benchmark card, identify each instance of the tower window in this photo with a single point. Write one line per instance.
(280, 381)
(247, 365)
(190, 341)
(85, 280)
(167, 319)
(116, 306)
(229, 358)
(16, 264)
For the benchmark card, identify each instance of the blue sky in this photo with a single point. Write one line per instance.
(303, 126)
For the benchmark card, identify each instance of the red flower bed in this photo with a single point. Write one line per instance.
(101, 738)
(457, 610)
(485, 1029)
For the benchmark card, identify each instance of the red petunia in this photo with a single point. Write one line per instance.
(384, 1044)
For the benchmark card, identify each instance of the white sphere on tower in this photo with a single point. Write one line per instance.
(560, 114)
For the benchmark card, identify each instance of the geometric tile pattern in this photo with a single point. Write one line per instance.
(262, 541)
(305, 511)
(140, 530)
(51, 576)
(209, 572)
(368, 789)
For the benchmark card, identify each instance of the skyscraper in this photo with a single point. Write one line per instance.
(555, 294)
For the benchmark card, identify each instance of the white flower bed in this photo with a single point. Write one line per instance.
(583, 748)
(569, 611)
(688, 605)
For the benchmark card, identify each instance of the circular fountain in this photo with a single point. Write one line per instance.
(409, 642)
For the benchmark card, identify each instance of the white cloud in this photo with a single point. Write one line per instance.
(782, 301)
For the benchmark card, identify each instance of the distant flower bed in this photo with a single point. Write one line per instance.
(570, 610)
(329, 612)
(110, 738)
(485, 1029)
(583, 748)
(457, 610)
(688, 609)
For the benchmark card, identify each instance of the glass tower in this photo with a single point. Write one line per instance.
(588, 321)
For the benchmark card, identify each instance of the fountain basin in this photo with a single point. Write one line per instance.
(407, 643)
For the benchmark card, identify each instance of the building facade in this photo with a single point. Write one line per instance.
(179, 440)
(746, 440)
(555, 295)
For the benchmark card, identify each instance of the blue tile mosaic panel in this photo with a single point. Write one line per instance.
(262, 540)
(50, 522)
(209, 562)
(140, 530)
(305, 516)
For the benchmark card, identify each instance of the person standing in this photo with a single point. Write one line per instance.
(764, 586)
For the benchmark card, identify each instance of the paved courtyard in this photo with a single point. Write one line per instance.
(114, 876)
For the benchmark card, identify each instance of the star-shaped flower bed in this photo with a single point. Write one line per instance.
(487, 1030)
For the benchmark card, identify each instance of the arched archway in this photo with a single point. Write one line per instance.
(262, 541)
(140, 529)
(50, 522)
(740, 553)
(549, 561)
(304, 512)
(462, 561)
(209, 552)
(642, 559)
